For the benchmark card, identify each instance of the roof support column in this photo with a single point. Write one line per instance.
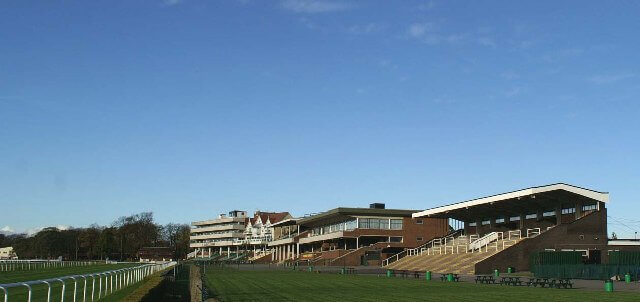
(522, 224)
(578, 210)
(558, 215)
(478, 227)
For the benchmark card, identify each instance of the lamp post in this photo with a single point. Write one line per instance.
(635, 236)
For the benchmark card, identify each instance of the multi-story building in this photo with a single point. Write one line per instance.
(235, 232)
(259, 232)
(219, 235)
(354, 236)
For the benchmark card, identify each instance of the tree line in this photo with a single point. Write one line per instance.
(120, 241)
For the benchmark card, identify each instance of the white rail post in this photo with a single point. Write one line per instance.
(29, 295)
(75, 287)
(100, 285)
(48, 290)
(6, 295)
(84, 290)
(63, 288)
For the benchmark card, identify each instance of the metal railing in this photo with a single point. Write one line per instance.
(23, 265)
(123, 278)
(437, 242)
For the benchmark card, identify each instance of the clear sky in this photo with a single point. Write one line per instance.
(190, 108)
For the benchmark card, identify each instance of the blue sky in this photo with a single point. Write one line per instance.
(191, 108)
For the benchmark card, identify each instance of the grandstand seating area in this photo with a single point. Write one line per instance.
(456, 254)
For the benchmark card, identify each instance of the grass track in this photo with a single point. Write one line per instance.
(233, 285)
(39, 292)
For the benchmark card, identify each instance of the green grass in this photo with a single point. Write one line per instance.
(233, 285)
(39, 292)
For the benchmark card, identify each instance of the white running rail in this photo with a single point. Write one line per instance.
(19, 265)
(112, 280)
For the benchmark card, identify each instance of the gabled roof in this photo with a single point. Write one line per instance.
(272, 217)
(517, 195)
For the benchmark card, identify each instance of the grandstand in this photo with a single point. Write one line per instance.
(503, 230)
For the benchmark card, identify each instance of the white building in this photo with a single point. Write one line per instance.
(7, 253)
(219, 235)
(234, 232)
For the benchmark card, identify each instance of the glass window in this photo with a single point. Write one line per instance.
(395, 239)
(531, 216)
(364, 223)
(350, 225)
(374, 223)
(472, 224)
(486, 222)
(384, 224)
(500, 220)
(549, 214)
(514, 218)
(569, 211)
(396, 224)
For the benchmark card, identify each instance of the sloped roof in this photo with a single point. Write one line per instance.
(520, 196)
(273, 217)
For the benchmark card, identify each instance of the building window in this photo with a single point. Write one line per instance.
(472, 224)
(384, 224)
(374, 223)
(364, 223)
(419, 221)
(531, 216)
(486, 222)
(396, 224)
(549, 214)
(395, 239)
(419, 239)
(514, 218)
(590, 207)
(568, 211)
(350, 225)
(500, 220)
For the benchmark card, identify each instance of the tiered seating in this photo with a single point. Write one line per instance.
(456, 255)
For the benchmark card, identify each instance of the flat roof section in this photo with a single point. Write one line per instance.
(344, 212)
(517, 202)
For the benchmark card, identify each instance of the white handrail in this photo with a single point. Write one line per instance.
(486, 239)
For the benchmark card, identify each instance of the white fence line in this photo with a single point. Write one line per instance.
(123, 278)
(22, 265)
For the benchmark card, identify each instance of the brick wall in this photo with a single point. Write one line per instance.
(587, 233)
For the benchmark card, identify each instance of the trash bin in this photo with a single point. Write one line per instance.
(342, 271)
(427, 275)
(450, 277)
(310, 268)
(627, 278)
(389, 273)
(496, 273)
(608, 285)
(511, 270)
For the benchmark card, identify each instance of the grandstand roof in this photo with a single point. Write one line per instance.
(285, 222)
(518, 202)
(341, 213)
